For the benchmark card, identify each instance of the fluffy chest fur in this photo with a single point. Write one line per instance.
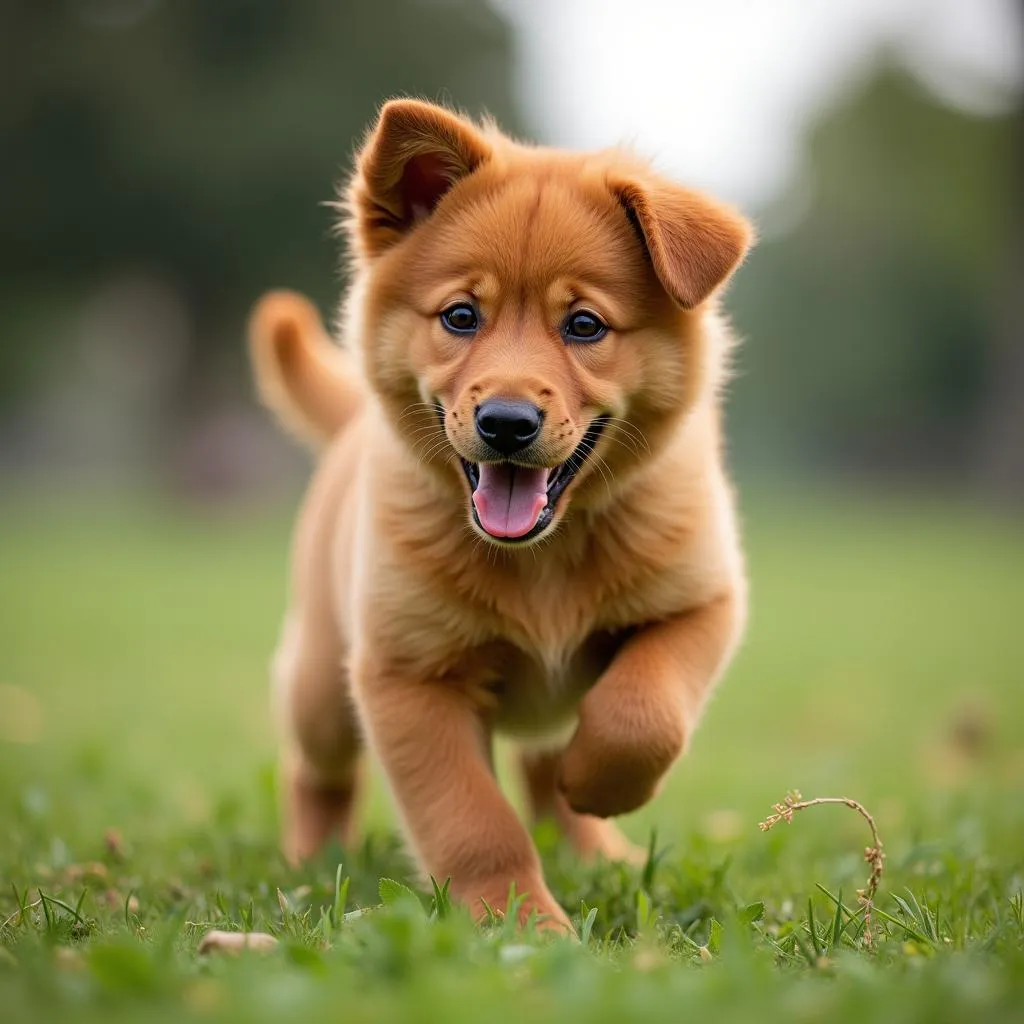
(538, 626)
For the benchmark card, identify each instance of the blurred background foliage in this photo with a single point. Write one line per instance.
(163, 163)
(878, 324)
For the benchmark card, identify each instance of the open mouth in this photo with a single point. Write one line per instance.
(515, 503)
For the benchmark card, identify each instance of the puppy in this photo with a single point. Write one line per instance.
(520, 522)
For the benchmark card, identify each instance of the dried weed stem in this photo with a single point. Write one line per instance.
(874, 854)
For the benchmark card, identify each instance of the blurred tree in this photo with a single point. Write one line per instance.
(195, 140)
(872, 324)
(1002, 449)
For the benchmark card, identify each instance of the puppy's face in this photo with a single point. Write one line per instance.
(530, 317)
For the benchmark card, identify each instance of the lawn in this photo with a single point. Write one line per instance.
(884, 662)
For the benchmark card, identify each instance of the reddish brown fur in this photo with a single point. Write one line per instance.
(409, 632)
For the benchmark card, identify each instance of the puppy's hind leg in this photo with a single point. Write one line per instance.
(322, 762)
(590, 837)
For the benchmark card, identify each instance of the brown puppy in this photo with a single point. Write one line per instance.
(520, 522)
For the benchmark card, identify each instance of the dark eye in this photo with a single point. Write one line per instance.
(583, 327)
(460, 318)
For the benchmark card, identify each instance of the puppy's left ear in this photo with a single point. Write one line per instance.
(413, 155)
(694, 242)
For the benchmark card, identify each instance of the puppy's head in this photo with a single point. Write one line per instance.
(532, 319)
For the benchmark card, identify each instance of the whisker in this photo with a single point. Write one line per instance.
(422, 444)
(631, 447)
(416, 408)
(602, 466)
(631, 430)
(434, 429)
(435, 450)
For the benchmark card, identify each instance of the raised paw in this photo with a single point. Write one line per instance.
(609, 788)
(605, 774)
(626, 741)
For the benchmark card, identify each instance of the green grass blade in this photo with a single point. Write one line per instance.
(589, 917)
(341, 885)
(651, 863)
(441, 902)
(59, 903)
(912, 932)
(808, 953)
(812, 927)
(837, 922)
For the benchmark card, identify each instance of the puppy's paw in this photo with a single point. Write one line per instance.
(620, 752)
(606, 786)
(533, 899)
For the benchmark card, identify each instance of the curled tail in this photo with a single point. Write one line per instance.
(306, 380)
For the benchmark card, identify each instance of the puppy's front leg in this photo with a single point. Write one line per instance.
(433, 743)
(636, 720)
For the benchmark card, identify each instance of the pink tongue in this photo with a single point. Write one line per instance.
(509, 499)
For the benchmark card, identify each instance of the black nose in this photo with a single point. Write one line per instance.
(508, 426)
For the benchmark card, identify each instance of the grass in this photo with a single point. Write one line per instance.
(137, 805)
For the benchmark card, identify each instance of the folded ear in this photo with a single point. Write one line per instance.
(414, 154)
(694, 242)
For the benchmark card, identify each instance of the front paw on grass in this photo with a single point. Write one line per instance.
(500, 899)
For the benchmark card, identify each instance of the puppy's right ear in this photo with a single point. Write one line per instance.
(414, 154)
